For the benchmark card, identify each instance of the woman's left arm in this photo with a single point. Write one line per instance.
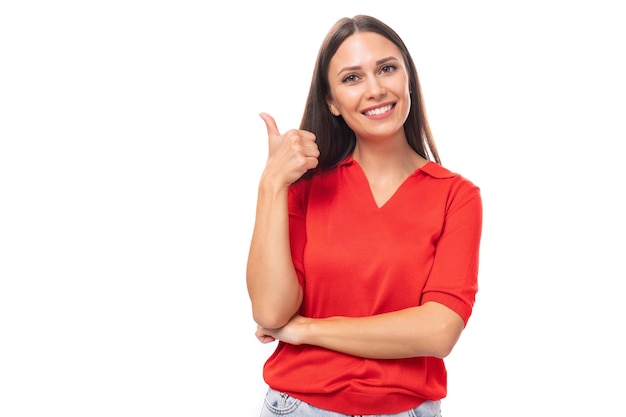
(431, 329)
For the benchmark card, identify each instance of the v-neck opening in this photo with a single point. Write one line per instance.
(393, 195)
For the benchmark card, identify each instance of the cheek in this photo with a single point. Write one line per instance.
(348, 98)
(404, 87)
(406, 93)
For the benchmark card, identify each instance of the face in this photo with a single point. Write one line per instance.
(369, 86)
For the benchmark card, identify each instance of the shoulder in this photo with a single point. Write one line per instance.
(321, 179)
(456, 188)
(436, 171)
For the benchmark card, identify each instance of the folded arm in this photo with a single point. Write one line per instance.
(428, 330)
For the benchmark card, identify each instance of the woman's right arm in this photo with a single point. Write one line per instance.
(273, 286)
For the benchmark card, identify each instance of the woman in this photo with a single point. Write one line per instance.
(364, 256)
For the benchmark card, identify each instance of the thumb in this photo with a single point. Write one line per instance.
(270, 124)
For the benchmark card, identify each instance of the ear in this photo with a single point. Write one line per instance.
(333, 109)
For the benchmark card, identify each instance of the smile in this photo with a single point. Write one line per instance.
(379, 110)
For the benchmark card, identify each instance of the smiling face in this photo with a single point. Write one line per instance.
(369, 86)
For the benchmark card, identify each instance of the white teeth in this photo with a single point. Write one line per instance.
(379, 110)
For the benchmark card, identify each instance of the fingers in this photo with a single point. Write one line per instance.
(270, 124)
(273, 132)
(263, 336)
(290, 154)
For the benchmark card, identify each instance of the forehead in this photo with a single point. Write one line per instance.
(363, 48)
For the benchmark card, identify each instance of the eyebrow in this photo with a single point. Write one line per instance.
(379, 62)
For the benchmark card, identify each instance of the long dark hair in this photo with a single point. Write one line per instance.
(335, 139)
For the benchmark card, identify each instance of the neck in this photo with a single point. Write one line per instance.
(387, 158)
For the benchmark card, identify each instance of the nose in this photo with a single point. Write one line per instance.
(375, 89)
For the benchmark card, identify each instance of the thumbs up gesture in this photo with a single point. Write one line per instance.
(290, 154)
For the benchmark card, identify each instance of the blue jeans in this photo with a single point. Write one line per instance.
(281, 404)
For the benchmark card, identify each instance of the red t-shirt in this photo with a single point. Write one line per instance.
(354, 258)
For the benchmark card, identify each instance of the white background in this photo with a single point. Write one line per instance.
(130, 153)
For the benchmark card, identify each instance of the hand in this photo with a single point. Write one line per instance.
(291, 333)
(290, 154)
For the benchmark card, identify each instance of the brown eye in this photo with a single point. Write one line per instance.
(351, 78)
